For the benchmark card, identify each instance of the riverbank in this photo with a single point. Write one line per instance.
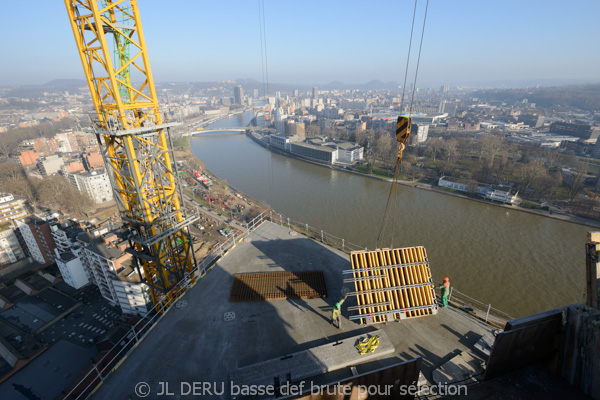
(429, 187)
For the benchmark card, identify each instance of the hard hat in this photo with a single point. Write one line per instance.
(446, 279)
(337, 305)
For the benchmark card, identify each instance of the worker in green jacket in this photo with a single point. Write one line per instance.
(445, 287)
(336, 315)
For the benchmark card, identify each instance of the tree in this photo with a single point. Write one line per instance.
(434, 147)
(490, 147)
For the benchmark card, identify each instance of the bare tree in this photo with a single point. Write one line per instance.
(434, 147)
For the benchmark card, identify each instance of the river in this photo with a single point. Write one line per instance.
(520, 263)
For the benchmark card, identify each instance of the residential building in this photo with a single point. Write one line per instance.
(10, 250)
(114, 272)
(37, 237)
(50, 165)
(92, 160)
(447, 107)
(582, 131)
(418, 133)
(315, 93)
(11, 208)
(68, 254)
(28, 157)
(95, 184)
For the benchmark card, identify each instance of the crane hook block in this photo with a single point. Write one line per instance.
(403, 129)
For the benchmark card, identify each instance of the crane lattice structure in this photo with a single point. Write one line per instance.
(135, 142)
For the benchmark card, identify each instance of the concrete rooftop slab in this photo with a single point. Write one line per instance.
(198, 344)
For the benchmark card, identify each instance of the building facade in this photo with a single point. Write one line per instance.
(113, 271)
(95, 184)
(38, 239)
(11, 208)
(10, 250)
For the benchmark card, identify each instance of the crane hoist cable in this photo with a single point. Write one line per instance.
(403, 125)
(265, 75)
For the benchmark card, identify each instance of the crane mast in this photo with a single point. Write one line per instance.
(135, 142)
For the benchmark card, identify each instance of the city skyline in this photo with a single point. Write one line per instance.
(468, 43)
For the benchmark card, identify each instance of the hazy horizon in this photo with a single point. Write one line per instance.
(468, 43)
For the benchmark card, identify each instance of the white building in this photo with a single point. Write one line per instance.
(503, 194)
(72, 269)
(95, 184)
(418, 133)
(114, 272)
(68, 254)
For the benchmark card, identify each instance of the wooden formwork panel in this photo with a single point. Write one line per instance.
(392, 284)
(278, 285)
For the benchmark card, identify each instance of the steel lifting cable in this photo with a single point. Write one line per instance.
(265, 75)
(402, 132)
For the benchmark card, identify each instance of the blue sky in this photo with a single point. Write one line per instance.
(466, 42)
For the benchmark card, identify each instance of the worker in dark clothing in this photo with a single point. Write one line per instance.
(445, 287)
(336, 315)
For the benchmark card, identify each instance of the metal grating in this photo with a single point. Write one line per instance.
(391, 284)
(278, 285)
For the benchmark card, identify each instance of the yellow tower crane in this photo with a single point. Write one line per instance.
(135, 142)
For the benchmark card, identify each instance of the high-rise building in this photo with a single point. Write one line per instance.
(444, 89)
(37, 237)
(447, 107)
(418, 133)
(255, 93)
(295, 92)
(114, 271)
(95, 184)
(315, 92)
(68, 254)
(238, 94)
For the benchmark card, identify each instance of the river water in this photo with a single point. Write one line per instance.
(519, 262)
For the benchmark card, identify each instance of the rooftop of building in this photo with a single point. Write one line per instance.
(128, 273)
(198, 341)
(49, 374)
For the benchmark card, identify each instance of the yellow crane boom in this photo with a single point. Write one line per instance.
(135, 141)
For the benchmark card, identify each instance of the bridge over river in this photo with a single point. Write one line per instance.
(215, 130)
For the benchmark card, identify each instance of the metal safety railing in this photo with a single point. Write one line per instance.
(482, 310)
(112, 359)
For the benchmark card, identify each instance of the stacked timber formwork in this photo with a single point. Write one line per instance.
(391, 284)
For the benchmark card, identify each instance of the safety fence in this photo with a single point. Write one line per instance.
(479, 309)
(107, 364)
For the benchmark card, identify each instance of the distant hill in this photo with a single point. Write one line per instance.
(571, 97)
(66, 83)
